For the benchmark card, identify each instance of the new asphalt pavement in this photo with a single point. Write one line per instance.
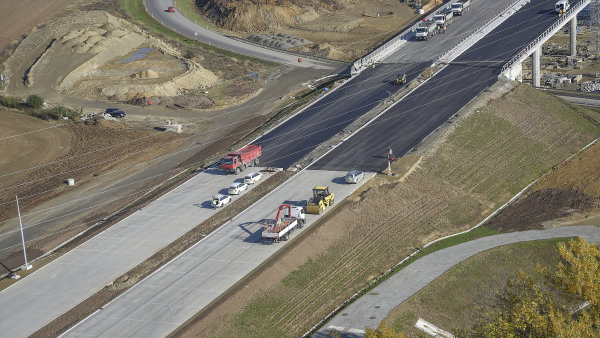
(417, 115)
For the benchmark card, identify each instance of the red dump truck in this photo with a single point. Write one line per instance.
(235, 162)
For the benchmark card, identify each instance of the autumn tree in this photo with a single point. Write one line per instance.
(528, 309)
(383, 331)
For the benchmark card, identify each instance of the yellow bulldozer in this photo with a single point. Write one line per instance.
(321, 199)
(400, 79)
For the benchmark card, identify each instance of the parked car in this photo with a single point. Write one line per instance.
(353, 176)
(115, 112)
(220, 200)
(251, 178)
(171, 9)
(236, 188)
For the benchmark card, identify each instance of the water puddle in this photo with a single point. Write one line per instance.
(139, 54)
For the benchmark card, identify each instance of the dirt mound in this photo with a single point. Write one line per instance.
(541, 206)
(344, 29)
(145, 74)
(98, 56)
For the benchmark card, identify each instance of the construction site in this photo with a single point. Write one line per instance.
(74, 178)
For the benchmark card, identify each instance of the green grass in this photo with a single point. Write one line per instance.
(469, 286)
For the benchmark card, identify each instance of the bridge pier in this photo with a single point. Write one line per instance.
(535, 68)
(574, 36)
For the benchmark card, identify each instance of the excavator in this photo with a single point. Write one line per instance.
(400, 79)
(321, 199)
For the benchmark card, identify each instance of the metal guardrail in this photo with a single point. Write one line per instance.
(393, 43)
(533, 44)
(476, 30)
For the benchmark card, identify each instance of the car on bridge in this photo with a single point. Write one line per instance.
(171, 9)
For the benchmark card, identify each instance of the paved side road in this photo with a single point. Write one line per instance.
(372, 308)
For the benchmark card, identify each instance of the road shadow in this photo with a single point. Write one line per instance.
(223, 191)
(256, 236)
(299, 203)
(215, 171)
(339, 180)
(205, 204)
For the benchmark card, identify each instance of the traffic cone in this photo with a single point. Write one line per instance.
(389, 170)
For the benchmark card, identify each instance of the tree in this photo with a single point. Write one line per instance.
(528, 309)
(383, 331)
(35, 101)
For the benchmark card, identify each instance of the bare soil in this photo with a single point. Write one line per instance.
(14, 25)
(340, 29)
(571, 191)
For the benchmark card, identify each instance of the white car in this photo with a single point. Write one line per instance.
(251, 178)
(220, 200)
(236, 188)
(353, 176)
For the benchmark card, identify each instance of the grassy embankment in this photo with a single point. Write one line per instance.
(454, 301)
(488, 157)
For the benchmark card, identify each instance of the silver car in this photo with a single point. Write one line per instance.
(353, 176)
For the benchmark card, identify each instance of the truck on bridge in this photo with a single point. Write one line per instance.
(426, 30)
(282, 226)
(460, 7)
(237, 161)
(443, 17)
(562, 6)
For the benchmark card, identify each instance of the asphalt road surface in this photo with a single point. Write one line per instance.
(179, 23)
(291, 141)
(371, 309)
(409, 121)
(166, 299)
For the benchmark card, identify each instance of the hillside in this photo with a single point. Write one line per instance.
(338, 29)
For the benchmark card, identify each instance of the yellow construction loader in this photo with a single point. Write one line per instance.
(321, 199)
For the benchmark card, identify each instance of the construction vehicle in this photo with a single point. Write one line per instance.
(235, 162)
(425, 30)
(321, 199)
(400, 79)
(284, 224)
(443, 17)
(460, 7)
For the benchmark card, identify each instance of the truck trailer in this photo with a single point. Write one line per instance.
(237, 161)
(425, 30)
(282, 226)
(460, 7)
(444, 17)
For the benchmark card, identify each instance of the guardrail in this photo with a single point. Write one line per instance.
(541, 38)
(393, 43)
(476, 30)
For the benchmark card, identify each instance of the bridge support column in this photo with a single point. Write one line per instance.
(574, 36)
(535, 69)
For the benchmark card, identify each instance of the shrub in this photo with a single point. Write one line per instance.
(35, 101)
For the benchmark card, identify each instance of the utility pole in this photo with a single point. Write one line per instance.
(26, 266)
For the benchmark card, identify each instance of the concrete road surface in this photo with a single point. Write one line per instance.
(409, 121)
(166, 299)
(55, 288)
(179, 23)
(372, 308)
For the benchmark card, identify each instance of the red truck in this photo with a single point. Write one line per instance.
(239, 160)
